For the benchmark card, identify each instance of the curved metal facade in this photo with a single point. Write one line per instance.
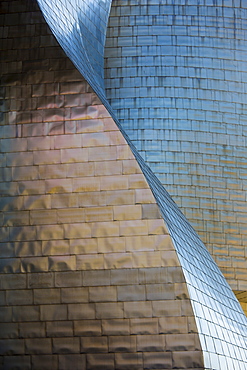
(105, 280)
(81, 32)
(176, 80)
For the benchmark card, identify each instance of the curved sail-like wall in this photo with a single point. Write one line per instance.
(99, 268)
(81, 32)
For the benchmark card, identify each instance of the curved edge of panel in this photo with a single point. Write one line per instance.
(80, 29)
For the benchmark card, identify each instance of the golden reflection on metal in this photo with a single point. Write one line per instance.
(242, 297)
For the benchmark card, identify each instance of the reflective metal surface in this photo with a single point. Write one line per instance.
(98, 269)
(81, 32)
(89, 277)
(176, 79)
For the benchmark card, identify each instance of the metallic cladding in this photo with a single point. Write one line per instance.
(70, 227)
(137, 47)
(81, 32)
(89, 276)
(176, 79)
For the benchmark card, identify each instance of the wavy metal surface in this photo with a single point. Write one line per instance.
(221, 323)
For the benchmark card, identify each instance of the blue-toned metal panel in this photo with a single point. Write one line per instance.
(180, 70)
(221, 322)
(81, 33)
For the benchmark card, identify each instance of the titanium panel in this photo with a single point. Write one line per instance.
(87, 267)
(81, 33)
(175, 76)
(147, 51)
